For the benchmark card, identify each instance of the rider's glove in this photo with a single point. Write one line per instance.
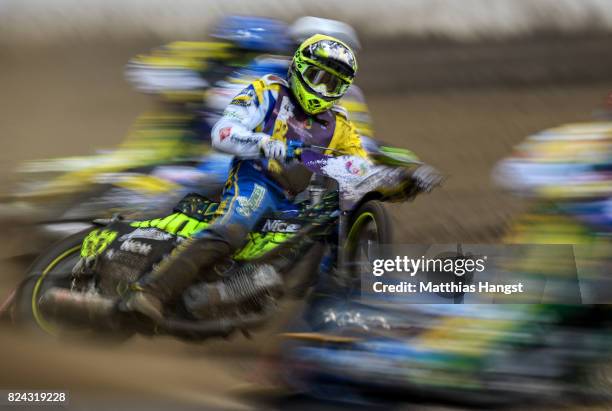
(272, 148)
(427, 178)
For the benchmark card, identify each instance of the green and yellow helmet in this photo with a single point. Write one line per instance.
(321, 72)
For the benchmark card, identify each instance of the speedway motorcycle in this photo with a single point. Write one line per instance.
(76, 285)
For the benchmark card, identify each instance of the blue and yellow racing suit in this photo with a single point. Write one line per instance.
(257, 186)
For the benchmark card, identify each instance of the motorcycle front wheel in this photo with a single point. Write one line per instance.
(368, 229)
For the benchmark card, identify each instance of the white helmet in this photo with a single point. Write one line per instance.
(306, 27)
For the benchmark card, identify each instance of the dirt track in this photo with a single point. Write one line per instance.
(68, 101)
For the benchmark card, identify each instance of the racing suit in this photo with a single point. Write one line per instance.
(265, 110)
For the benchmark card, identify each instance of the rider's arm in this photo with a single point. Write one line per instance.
(233, 133)
(346, 139)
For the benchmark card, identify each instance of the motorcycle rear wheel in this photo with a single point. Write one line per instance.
(54, 269)
(51, 269)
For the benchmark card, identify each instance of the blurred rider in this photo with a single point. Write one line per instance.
(180, 71)
(186, 76)
(566, 172)
(262, 119)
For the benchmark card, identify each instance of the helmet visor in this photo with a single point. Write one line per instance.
(324, 82)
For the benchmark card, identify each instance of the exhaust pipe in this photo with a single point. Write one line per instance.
(77, 308)
(87, 309)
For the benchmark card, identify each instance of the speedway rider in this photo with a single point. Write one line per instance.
(261, 119)
(198, 80)
(181, 71)
(219, 96)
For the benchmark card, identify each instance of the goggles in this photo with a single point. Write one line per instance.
(324, 82)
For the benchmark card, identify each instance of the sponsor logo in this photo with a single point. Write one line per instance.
(245, 98)
(244, 140)
(319, 162)
(246, 206)
(280, 226)
(146, 233)
(358, 168)
(96, 242)
(225, 133)
(240, 103)
(234, 115)
(135, 247)
(243, 206)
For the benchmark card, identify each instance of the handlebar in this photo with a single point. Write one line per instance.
(294, 149)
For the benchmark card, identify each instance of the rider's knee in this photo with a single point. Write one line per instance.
(234, 235)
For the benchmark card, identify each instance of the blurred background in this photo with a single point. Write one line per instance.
(460, 83)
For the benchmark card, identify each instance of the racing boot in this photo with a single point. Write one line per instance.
(167, 282)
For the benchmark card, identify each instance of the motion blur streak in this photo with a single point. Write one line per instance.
(163, 374)
(514, 103)
(469, 19)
